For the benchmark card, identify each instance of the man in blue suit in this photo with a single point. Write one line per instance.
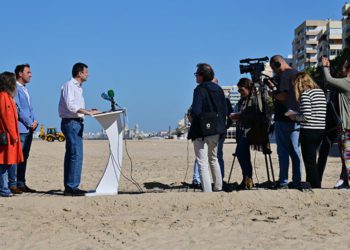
(27, 125)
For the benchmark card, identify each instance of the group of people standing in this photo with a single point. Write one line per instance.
(18, 123)
(300, 111)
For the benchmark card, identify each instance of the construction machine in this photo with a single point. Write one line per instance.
(51, 134)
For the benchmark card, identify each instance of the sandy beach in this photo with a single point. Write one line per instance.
(168, 215)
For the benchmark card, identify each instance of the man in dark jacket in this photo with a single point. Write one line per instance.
(207, 97)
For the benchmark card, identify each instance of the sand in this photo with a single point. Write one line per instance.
(168, 215)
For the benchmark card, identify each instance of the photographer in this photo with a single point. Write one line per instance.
(286, 130)
(342, 85)
(242, 126)
(206, 97)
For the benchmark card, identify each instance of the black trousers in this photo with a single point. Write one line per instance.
(310, 140)
(326, 145)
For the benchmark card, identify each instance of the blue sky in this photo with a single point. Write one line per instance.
(146, 51)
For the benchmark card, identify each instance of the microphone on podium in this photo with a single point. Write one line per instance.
(109, 96)
(110, 93)
(105, 96)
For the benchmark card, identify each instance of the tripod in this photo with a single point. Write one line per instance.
(268, 164)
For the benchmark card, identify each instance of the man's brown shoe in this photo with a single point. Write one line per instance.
(26, 189)
(16, 190)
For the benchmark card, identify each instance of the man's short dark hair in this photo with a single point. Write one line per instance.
(77, 68)
(7, 82)
(206, 71)
(20, 68)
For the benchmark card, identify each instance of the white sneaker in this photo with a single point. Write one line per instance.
(339, 183)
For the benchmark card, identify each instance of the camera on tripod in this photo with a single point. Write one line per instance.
(254, 66)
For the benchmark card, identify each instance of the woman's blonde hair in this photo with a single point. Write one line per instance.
(302, 82)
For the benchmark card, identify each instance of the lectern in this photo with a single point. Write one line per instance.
(112, 122)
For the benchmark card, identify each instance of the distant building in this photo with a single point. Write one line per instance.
(346, 25)
(234, 95)
(314, 39)
(289, 60)
(305, 43)
(330, 42)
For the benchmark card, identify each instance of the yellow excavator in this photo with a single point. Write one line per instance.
(51, 134)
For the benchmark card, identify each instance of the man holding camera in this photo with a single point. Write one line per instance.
(286, 130)
(208, 97)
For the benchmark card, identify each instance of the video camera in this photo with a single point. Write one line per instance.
(254, 66)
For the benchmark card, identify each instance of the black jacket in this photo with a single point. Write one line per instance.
(201, 104)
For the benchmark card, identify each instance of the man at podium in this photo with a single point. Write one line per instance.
(72, 111)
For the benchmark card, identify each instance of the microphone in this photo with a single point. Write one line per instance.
(111, 93)
(109, 96)
(105, 96)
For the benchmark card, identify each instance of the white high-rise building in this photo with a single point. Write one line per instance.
(314, 39)
(305, 43)
(234, 95)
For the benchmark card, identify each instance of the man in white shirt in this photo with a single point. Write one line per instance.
(72, 111)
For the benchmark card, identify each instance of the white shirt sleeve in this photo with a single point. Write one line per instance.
(70, 98)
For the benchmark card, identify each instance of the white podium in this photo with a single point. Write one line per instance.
(113, 124)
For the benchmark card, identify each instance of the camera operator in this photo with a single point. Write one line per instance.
(286, 130)
(242, 128)
(342, 85)
(206, 95)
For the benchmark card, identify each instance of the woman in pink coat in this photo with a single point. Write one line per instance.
(10, 145)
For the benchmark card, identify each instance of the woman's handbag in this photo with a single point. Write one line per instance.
(3, 139)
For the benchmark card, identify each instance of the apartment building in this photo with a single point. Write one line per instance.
(330, 42)
(346, 25)
(305, 43)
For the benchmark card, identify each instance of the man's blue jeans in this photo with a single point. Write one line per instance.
(4, 189)
(221, 156)
(73, 158)
(17, 173)
(196, 177)
(287, 139)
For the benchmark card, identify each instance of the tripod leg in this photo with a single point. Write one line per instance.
(272, 173)
(267, 169)
(233, 163)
